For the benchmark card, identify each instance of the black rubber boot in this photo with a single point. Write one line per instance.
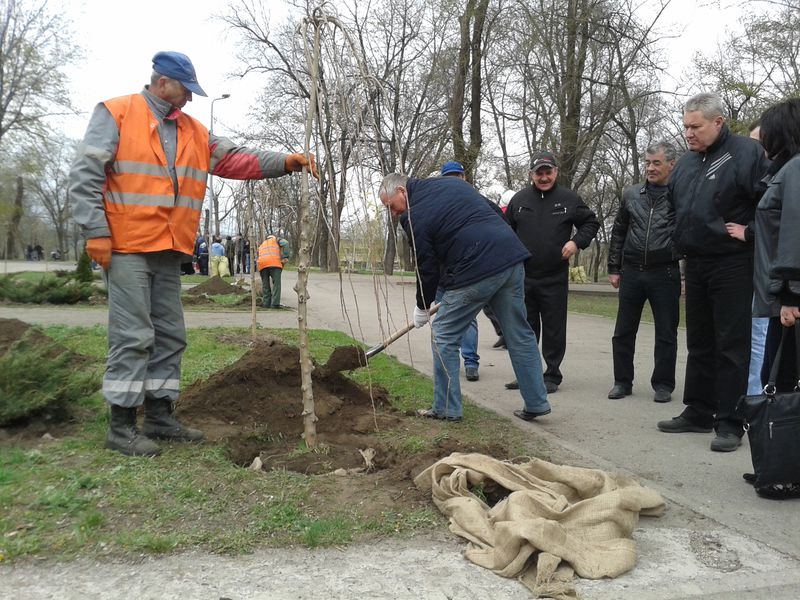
(123, 436)
(159, 423)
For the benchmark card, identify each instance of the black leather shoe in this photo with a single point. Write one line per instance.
(726, 442)
(530, 416)
(551, 387)
(513, 385)
(661, 395)
(472, 374)
(681, 424)
(620, 390)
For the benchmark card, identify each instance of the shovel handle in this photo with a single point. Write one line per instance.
(397, 335)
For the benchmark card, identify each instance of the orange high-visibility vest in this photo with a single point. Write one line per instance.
(269, 253)
(143, 212)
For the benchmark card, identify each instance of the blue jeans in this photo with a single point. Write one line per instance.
(505, 293)
(469, 343)
(758, 336)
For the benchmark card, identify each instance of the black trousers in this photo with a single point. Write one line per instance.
(719, 294)
(661, 287)
(546, 303)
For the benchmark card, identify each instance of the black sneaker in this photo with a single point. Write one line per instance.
(512, 385)
(681, 424)
(472, 373)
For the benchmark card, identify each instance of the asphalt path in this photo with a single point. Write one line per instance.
(718, 538)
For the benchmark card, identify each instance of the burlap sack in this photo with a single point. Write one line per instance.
(555, 519)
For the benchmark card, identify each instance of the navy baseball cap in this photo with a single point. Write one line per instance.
(177, 66)
(543, 159)
(452, 166)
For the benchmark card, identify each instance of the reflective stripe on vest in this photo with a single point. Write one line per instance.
(269, 253)
(143, 212)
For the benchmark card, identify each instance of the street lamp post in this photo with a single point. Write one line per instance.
(211, 175)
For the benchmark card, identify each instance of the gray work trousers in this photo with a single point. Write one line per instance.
(146, 332)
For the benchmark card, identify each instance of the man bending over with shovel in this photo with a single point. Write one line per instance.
(463, 246)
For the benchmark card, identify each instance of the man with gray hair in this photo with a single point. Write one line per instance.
(463, 246)
(715, 185)
(643, 265)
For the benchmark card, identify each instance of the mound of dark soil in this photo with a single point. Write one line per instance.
(215, 286)
(255, 406)
(12, 330)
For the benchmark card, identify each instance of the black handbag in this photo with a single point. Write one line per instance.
(772, 422)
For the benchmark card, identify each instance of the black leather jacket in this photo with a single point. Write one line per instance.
(642, 232)
(777, 256)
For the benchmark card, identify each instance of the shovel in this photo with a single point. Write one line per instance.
(347, 358)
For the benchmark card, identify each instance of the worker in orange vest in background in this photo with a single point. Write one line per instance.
(273, 253)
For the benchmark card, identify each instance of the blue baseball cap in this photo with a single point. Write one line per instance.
(452, 166)
(177, 66)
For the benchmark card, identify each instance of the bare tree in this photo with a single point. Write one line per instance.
(468, 74)
(50, 187)
(35, 47)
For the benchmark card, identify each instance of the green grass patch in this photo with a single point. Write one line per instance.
(229, 299)
(198, 279)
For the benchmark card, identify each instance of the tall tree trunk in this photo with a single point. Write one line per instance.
(390, 253)
(13, 225)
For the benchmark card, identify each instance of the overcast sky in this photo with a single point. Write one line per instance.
(119, 44)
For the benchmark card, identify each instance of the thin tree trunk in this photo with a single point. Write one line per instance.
(251, 216)
(309, 416)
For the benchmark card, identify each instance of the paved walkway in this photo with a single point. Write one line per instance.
(718, 539)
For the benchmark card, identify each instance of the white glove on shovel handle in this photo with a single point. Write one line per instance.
(420, 317)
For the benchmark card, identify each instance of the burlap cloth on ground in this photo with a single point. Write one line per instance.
(555, 519)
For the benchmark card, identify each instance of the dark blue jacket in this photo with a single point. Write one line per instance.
(458, 236)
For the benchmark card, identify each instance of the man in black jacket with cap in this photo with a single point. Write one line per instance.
(543, 215)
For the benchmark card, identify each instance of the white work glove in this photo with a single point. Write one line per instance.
(420, 317)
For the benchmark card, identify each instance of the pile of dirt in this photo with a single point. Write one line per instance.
(13, 330)
(216, 286)
(255, 407)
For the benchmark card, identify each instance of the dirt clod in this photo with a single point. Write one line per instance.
(346, 358)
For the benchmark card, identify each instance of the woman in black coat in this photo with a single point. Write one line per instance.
(777, 252)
